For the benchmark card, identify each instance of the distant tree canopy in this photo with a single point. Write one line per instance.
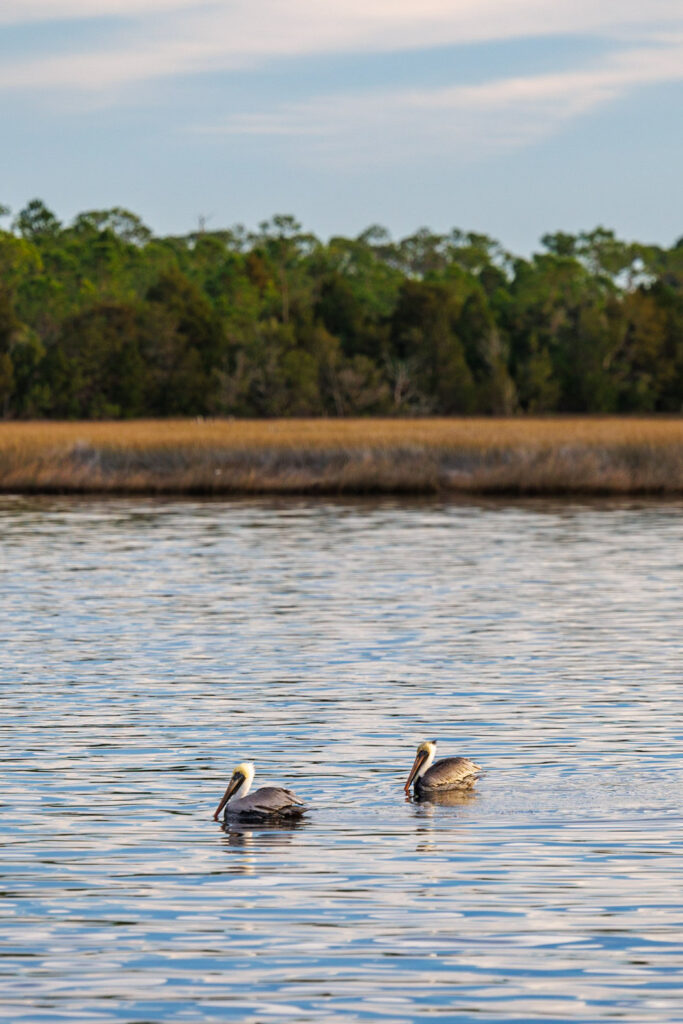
(100, 318)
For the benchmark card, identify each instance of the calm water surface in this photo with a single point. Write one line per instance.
(148, 647)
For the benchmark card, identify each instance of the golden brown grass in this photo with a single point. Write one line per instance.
(549, 456)
(325, 434)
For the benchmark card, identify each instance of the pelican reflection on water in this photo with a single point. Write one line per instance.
(433, 779)
(269, 803)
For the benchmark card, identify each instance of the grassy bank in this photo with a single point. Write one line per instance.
(516, 456)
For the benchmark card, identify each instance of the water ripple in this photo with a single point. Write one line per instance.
(148, 646)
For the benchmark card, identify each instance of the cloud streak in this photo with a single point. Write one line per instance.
(474, 120)
(22, 12)
(167, 37)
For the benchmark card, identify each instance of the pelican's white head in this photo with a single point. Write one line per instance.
(426, 753)
(243, 775)
(241, 779)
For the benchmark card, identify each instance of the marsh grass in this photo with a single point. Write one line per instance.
(526, 456)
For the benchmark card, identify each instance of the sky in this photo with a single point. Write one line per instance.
(509, 117)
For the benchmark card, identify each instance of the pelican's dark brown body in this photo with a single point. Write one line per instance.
(269, 802)
(448, 773)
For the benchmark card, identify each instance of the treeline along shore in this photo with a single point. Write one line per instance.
(492, 455)
(100, 319)
(228, 361)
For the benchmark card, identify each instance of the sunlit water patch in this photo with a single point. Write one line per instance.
(148, 647)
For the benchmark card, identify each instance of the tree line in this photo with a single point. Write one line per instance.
(101, 319)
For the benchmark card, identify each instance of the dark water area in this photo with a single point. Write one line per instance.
(148, 647)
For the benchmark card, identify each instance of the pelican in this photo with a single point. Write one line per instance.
(448, 773)
(269, 802)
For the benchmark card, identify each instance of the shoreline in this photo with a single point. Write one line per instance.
(590, 456)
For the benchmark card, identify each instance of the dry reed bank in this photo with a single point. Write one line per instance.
(587, 455)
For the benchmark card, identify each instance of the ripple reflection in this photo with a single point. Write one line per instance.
(150, 645)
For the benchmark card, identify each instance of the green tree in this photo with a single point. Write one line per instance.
(285, 247)
(101, 318)
(36, 222)
(95, 369)
(183, 341)
(424, 337)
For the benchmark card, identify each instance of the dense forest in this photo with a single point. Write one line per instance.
(101, 319)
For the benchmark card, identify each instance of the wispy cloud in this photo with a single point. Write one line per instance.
(20, 12)
(470, 120)
(159, 38)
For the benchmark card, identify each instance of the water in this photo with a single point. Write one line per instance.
(148, 647)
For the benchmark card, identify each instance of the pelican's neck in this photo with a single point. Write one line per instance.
(427, 763)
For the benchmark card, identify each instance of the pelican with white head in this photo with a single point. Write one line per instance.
(268, 802)
(448, 773)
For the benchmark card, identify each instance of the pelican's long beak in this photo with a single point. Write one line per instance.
(234, 784)
(417, 764)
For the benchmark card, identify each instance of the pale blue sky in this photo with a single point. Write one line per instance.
(513, 117)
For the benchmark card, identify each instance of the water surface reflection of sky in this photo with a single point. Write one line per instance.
(148, 647)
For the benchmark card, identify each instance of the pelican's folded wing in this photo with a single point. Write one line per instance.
(451, 771)
(274, 800)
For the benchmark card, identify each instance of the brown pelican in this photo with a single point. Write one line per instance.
(269, 802)
(448, 773)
